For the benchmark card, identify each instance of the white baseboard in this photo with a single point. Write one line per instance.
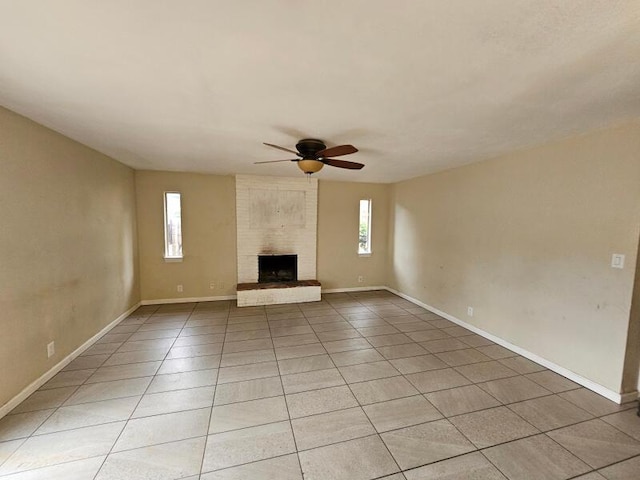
(36, 384)
(585, 382)
(234, 297)
(160, 301)
(352, 289)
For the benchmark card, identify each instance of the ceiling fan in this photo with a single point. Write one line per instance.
(313, 155)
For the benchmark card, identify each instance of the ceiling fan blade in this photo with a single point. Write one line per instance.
(276, 161)
(282, 148)
(342, 164)
(337, 151)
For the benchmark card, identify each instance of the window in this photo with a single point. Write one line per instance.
(172, 225)
(364, 232)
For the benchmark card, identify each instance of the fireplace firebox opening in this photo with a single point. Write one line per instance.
(277, 268)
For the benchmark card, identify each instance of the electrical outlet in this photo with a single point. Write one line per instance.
(220, 285)
(470, 311)
(212, 285)
(360, 279)
(51, 349)
(617, 260)
(179, 288)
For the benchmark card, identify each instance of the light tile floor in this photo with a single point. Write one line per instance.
(359, 386)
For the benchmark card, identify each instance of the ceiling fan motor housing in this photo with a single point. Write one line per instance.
(309, 147)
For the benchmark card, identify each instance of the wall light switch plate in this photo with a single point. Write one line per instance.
(617, 260)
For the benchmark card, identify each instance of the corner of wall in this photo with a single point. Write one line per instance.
(631, 372)
(137, 265)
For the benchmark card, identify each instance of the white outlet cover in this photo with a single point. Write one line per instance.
(617, 260)
(51, 349)
(470, 311)
(179, 288)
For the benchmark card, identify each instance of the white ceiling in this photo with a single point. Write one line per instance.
(417, 85)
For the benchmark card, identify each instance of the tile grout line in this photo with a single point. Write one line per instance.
(206, 435)
(597, 470)
(22, 442)
(139, 401)
(375, 430)
(286, 404)
(458, 430)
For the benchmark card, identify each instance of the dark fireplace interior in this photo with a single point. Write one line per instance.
(277, 268)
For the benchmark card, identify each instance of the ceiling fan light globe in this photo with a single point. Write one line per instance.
(310, 166)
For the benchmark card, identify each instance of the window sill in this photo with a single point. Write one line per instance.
(173, 259)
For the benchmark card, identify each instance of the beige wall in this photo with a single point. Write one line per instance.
(339, 264)
(526, 239)
(208, 235)
(68, 250)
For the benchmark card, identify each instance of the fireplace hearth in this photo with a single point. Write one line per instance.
(277, 268)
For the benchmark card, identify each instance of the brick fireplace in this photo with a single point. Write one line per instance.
(276, 217)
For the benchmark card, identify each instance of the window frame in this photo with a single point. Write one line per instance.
(369, 250)
(167, 256)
